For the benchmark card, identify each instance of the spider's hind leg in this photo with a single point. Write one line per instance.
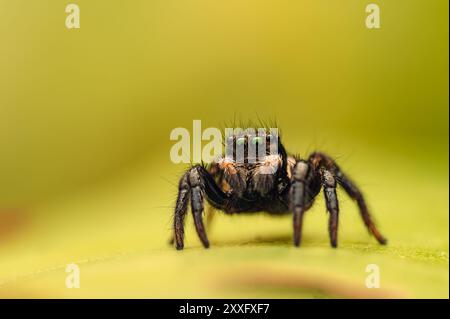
(322, 160)
(356, 195)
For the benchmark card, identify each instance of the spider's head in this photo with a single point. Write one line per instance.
(253, 146)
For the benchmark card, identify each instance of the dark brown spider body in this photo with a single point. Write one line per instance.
(263, 177)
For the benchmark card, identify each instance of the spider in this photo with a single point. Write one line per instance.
(270, 181)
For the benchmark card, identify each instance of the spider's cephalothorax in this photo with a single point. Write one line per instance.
(256, 174)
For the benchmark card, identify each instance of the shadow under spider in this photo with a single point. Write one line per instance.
(270, 240)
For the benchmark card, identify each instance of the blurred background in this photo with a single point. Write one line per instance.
(85, 118)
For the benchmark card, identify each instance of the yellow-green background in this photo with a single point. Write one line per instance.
(85, 117)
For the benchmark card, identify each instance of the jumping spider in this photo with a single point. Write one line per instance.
(277, 183)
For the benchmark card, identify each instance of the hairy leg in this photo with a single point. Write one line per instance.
(356, 195)
(180, 211)
(321, 160)
(209, 220)
(182, 207)
(196, 184)
(298, 196)
(329, 191)
(197, 195)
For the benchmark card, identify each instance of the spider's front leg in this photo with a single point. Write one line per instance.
(300, 196)
(180, 211)
(305, 185)
(329, 191)
(195, 184)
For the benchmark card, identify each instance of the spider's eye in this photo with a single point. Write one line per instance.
(257, 140)
(240, 141)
